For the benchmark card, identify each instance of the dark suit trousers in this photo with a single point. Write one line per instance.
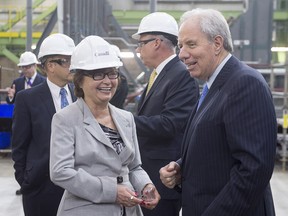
(43, 201)
(164, 208)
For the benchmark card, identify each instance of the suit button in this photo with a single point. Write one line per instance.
(119, 179)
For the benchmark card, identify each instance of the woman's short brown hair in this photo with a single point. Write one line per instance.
(77, 80)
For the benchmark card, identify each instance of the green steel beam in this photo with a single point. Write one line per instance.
(42, 16)
(19, 15)
(134, 17)
(15, 41)
(10, 55)
(280, 16)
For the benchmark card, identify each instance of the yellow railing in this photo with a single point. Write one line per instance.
(13, 17)
(19, 34)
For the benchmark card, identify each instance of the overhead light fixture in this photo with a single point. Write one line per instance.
(279, 49)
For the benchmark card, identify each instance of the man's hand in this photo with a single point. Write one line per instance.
(170, 174)
(11, 91)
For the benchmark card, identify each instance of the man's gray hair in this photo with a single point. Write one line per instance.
(212, 23)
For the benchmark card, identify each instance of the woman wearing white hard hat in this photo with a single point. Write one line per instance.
(94, 149)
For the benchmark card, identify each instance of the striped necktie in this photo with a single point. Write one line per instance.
(151, 80)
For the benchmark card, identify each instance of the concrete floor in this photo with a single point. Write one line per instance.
(10, 203)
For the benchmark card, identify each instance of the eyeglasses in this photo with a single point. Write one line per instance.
(63, 62)
(143, 42)
(98, 75)
(26, 66)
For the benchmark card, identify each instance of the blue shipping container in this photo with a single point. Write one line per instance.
(6, 112)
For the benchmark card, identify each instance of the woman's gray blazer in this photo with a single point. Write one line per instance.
(84, 162)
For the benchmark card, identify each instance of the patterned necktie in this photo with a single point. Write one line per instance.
(29, 83)
(151, 80)
(64, 101)
(204, 93)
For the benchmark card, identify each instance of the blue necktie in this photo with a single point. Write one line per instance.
(204, 93)
(64, 101)
(29, 83)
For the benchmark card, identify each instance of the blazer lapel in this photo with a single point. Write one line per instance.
(124, 128)
(91, 124)
(122, 124)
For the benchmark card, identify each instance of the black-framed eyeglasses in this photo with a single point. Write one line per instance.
(100, 75)
(143, 42)
(63, 62)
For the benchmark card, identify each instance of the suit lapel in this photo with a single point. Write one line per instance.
(157, 82)
(214, 92)
(46, 97)
(22, 84)
(37, 80)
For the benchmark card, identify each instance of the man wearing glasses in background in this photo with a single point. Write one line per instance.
(165, 104)
(30, 77)
(31, 127)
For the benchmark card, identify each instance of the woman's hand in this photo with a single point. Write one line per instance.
(127, 197)
(150, 197)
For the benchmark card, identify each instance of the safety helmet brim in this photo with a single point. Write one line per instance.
(27, 63)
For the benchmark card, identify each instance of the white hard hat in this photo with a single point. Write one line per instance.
(93, 52)
(157, 22)
(27, 58)
(116, 49)
(56, 44)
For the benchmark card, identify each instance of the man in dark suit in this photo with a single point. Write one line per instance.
(31, 127)
(229, 144)
(30, 77)
(163, 110)
(121, 93)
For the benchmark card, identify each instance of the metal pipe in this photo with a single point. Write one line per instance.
(60, 14)
(29, 25)
(153, 6)
(285, 113)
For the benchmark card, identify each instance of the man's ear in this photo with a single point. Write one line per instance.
(218, 44)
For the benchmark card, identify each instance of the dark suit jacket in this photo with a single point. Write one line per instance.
(20, 85)
(161, 120)
(31, 130)
(121, 93)
(229, 147)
